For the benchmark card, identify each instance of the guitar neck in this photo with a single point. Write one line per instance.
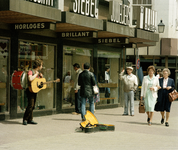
(49, 82)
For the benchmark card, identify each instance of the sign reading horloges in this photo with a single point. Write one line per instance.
(32, 26)
(79, 34)
(43, 2)
(85, 7)
(119, 13)
(112, 40)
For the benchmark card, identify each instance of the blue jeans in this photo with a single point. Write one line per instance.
(83, 107)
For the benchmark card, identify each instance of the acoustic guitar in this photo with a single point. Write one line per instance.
(39, 83)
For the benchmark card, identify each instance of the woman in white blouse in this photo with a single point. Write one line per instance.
(149, 90)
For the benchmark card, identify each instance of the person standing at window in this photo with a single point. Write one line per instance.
(107, 78)
(32, 74)
(130, 86)
(150, 86)
(77, 90)
(163, 104)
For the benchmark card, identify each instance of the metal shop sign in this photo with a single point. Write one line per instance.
(147, 19)
(119, 13)
(112, 40)
(43, 2)
(78, 34)
(85, 7)
(33, 26)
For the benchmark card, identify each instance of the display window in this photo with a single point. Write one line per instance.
(28, 53)
(4, 59)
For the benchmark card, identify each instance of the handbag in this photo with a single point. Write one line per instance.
(95, 89)
(173, 96)
(141, 107)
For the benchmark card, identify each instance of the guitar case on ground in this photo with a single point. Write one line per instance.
(91, 124)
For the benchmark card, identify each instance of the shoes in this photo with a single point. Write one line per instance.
(132, 115)
(83, 119)
(149, 123)
(24, 122)
(32, 122)
(124, 114)
(162, 120)
(148, 120)
(75, 113)
(166, 124)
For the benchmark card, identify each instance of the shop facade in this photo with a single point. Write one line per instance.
(61, 38)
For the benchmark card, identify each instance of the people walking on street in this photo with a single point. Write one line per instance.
(77, 90)
(130, 86)
(150, 86)
(163, 104)
(86, 81)
(159, 73)
(32, 74)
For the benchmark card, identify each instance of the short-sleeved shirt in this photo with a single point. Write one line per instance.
(31, 73)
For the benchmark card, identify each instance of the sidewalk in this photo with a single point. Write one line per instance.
(57, 132)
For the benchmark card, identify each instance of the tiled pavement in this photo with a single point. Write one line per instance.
(57, 132)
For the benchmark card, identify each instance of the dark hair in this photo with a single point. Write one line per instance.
(37, 63)
(76, 65)
(151, 67)
(107, 68)
(86, 65)
(158, 70)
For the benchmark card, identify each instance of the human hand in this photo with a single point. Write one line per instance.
(169, 87)
(41, 75)
(141, 98)
(151, 88)
(158, 87)
(123, 70)
(76, 91)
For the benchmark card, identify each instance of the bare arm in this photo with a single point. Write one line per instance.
(31, 78)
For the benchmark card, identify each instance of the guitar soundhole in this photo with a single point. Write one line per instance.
(40, 86)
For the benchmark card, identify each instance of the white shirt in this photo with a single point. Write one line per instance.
(107, 77)
(157, 76)
(165, 83)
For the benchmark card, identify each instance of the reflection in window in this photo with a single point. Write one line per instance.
(28, 53)
(4, 55)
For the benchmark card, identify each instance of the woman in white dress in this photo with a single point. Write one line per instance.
(150, 86)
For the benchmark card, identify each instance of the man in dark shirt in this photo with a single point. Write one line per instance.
(86, 81)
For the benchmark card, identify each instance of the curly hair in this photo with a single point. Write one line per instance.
(168, 71)
(151, 67)
(37, 63)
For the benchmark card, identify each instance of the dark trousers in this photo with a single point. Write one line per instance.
(31, 105)
(77, 102)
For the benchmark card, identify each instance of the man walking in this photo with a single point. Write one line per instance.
(77, 90)
(130, 86)
(86, 81)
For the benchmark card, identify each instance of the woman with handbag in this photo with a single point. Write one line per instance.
(163, 104)
(149, 90)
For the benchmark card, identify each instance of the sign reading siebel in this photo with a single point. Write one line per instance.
(34, 26)
(85, 7)
(112, 40)
(78, 34)
(119, 13)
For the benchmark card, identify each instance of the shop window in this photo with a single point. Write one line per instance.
(171, 62)
(4, 56)
(28, 53)
(108, 77)
(72, 55)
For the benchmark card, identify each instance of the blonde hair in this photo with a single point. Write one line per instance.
(168, 71)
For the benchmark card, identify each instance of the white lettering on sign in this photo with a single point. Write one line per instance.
(147, 19)
(85, 7)
(108, 40)
(119, 13)
(74, 34)
(30, 26)
(44, 2)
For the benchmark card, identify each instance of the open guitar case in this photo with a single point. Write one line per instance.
(91, 124)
